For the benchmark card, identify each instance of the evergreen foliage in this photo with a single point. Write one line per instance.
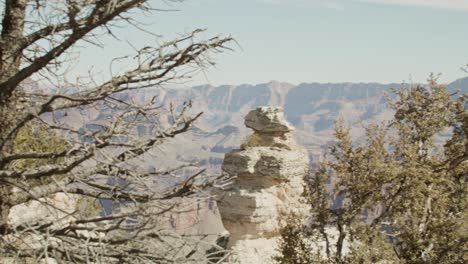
(400, 196)
(36, 138)
(294, 248)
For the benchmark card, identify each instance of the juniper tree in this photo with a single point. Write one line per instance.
(293, 247)
(38, 40)
(399, 196)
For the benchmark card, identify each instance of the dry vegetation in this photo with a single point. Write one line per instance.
(41, 155)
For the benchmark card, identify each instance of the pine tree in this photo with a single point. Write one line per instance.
(400, 196)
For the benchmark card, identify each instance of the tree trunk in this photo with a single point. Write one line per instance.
(10, 107)
(339, 242)
(4, 208)
(9, 112)
(10, 41)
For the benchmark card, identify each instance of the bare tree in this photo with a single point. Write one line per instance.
(38, 40)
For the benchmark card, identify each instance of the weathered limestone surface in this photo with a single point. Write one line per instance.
(61, 206)
(193, 228)
(267, 119)
(269, 170)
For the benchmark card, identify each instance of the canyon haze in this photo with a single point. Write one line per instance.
(311, 108)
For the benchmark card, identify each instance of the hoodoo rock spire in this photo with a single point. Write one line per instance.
(269, 172)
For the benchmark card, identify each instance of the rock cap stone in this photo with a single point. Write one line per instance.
(266, 119)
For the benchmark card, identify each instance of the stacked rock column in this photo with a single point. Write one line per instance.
(268, 174)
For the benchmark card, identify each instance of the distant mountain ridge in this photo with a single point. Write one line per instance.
(311, 107)
(223, 104)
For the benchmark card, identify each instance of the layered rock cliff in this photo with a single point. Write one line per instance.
(310, 107)
(269, 170)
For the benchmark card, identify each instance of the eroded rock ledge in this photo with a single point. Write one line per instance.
(269, 170)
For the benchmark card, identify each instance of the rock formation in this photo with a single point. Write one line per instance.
(269, 170)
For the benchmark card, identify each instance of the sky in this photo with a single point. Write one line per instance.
(300, 41)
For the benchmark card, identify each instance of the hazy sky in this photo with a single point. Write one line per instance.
(315, 40)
